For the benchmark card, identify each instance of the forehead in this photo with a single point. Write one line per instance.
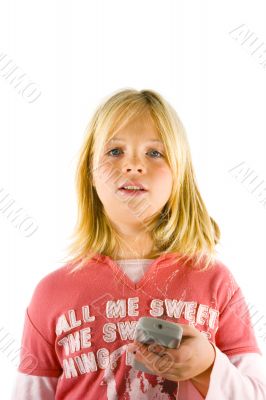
(119, 139)
(142, 127)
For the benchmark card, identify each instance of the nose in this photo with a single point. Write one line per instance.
(133, 164)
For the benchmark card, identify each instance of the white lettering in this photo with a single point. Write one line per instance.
(156, 308)
(109, 331)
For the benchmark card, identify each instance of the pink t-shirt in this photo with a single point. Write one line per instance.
(77, 326)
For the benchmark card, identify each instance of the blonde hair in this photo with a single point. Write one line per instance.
(183, 228)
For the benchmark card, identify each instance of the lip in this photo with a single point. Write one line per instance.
(131, 183)
(133, 193)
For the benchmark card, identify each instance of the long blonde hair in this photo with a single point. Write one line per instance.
(184, 228)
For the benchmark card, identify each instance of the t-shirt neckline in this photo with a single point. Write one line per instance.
(120, 274)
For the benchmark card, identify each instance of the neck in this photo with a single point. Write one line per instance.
(134, 247)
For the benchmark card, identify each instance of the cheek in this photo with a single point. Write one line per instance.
(105, 175)
(163, 176)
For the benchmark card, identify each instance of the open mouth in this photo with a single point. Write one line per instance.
(133, 192)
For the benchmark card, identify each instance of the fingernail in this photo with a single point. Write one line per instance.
(132, 348)
(154, 347)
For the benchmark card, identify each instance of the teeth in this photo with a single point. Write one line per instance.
(132, 187)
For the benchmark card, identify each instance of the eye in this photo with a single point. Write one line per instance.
(111, 151)
(157, 152)
(115, 155)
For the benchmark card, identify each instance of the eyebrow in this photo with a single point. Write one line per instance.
(122, 140)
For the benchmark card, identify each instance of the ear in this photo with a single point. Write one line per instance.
(92, 180)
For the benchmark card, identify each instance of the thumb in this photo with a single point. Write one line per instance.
(189, 331)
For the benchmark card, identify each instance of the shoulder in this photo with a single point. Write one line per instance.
(63, 284)
(52, 287)
(221, 269)
(218, 279)
(53, 278)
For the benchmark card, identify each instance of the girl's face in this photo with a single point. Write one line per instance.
(133, 155)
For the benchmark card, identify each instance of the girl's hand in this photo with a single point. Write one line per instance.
(194, 356)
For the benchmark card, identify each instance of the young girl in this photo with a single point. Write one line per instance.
(144, 245)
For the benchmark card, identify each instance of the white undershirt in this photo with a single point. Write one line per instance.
(136, 268)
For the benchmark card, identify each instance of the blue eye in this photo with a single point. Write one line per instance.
(115, 155)
(112, 150)
(157, 152)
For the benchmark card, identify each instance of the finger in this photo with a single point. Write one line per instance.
(156, 348)
(163, 355)
(154, 361)
(189, 330)
(179, 356)
(163, 366)
(152, 347)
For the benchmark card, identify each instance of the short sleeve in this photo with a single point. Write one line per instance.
(37, 355)
(235, 334)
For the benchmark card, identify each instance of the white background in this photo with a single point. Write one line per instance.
(77, 53)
